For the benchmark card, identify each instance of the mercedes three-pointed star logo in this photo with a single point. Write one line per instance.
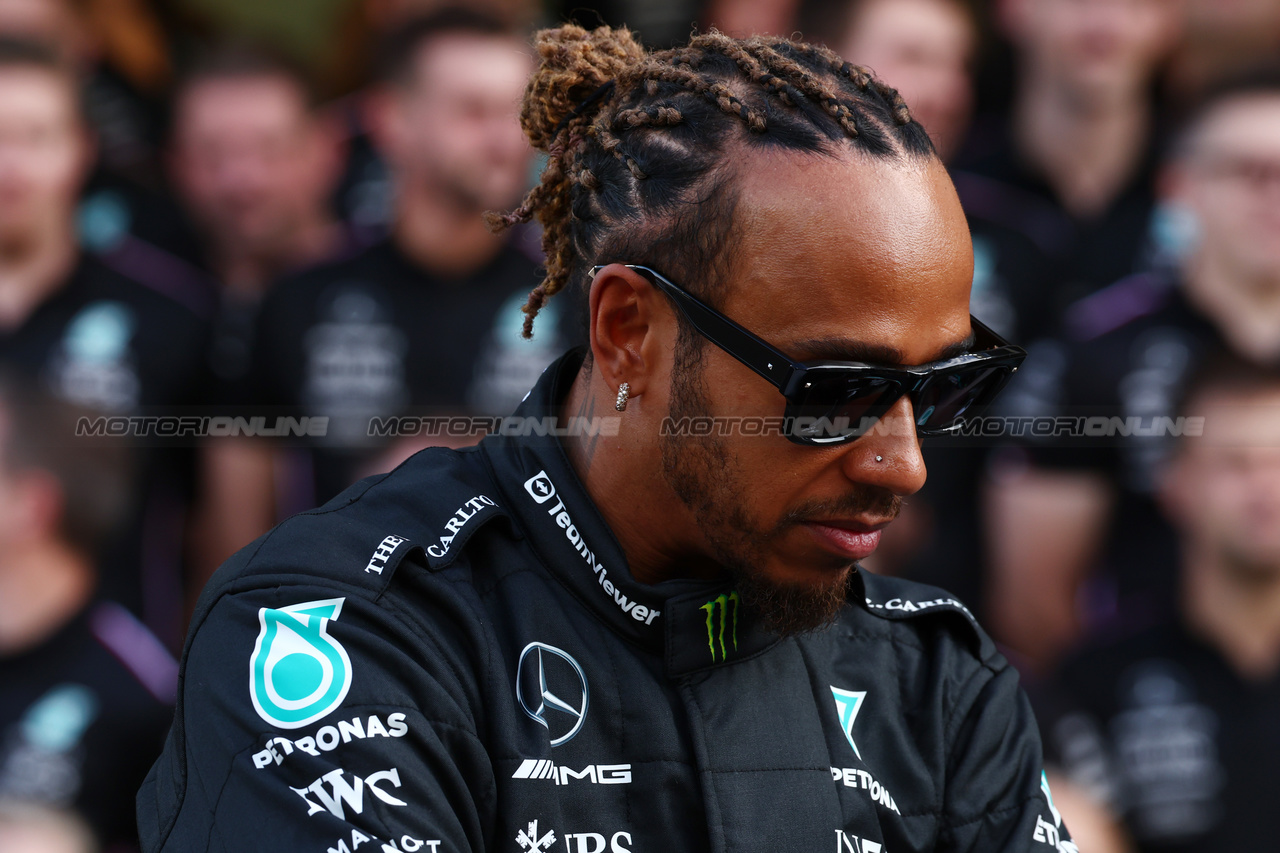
(537, 699)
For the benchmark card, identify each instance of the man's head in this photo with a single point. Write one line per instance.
(792, 192)
(55, 486)
(924, 48)
(253, 162)
(1092, 51)
(446, 116)
(1225, 172)
(1223, 486)
(44, 146)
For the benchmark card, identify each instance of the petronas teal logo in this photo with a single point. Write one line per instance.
(848, 704)
(298, 673)
(722, 624)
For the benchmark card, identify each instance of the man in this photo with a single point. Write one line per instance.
(1128, 351)
(88, 692)
(419, 323)
(255, 165)
(615, 641)
(1172, 723)
(1072, 166)
(88, 330)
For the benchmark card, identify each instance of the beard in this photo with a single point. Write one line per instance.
(702, 472)
(17, 243)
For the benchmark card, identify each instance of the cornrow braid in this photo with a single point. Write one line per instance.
(640, 167)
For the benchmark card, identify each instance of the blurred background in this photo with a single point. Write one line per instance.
(212, 209)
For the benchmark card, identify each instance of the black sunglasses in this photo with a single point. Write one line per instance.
(830, 402)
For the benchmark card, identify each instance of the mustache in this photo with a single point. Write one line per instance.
(874, 502)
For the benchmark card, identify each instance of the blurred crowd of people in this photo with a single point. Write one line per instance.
(210, 216)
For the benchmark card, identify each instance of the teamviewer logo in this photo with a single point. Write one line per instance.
(539, 487)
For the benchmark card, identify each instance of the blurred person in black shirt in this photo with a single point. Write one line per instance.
(86, 330)
(1172, 723)
(87, 690)
(255, 164)
(1072, 506)
(428, 320)
(1072, 166)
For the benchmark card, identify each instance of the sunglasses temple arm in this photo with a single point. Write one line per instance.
(773, 366)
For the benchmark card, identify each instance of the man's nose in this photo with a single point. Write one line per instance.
(888, 455)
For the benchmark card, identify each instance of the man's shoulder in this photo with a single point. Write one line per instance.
(422, 513)
(928, 613)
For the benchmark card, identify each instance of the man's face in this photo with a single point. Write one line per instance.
(1094, 49)
(1230, 180)
(848, 258)
(455, 129)
(43, 154)
(923, 48)
(1225, 484)
(251, 162)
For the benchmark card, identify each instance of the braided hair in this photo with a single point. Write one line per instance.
(636, 143)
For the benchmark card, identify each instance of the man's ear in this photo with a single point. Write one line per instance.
(627, 320)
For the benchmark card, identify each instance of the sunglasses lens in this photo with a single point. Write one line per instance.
(839, 409)
(948, 397)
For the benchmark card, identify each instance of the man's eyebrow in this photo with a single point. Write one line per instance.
(843, 349)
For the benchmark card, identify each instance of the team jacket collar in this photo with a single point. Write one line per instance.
(694, 624)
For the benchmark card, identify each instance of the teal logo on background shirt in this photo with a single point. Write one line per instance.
(298, 673)
(848, 704)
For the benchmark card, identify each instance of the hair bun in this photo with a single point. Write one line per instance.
(574, 63)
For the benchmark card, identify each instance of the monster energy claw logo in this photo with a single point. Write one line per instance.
(298, 673)
(726, 624)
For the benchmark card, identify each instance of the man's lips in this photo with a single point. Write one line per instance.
(853, 540)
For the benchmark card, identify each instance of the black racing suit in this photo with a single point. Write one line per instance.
(453, 657)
